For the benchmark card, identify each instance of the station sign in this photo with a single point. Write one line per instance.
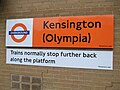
(61, 32)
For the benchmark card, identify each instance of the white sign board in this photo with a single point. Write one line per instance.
(61, 58)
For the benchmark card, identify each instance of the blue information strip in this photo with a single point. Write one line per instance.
(19, 32)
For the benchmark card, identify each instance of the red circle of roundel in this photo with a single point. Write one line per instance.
(24, 36)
